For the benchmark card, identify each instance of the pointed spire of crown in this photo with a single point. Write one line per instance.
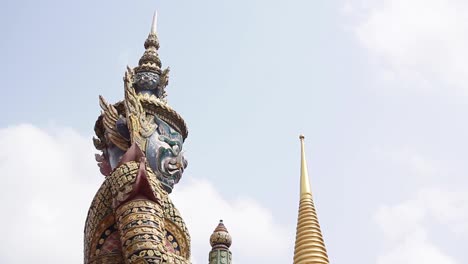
(150, 60)
(149, 78)
(309, 246)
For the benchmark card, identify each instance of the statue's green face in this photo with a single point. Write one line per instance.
(164, 154)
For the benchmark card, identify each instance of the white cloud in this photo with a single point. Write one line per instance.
(255, 234)
(50, 177)
(426, 227)
(449, 208)
(416, 249)
(416, 39)
(49, 180)
(406, 226)
(407, 161)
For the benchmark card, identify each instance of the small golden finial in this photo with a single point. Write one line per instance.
(220, 237)
(305, 185)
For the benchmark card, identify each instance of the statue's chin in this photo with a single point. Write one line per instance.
(170, 176)
(167, 186)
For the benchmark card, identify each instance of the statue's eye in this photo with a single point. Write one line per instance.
(176, 148)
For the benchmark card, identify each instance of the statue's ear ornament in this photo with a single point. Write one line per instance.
(109, 121)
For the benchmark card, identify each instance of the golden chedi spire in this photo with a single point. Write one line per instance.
(309, 247)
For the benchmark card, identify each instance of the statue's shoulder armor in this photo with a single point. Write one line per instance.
(175, 226)
(99, 212)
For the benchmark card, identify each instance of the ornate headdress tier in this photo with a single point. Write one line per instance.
(150, 60)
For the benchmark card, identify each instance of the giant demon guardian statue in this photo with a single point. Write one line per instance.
(131, 218)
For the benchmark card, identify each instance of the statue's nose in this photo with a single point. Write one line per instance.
(179, 163)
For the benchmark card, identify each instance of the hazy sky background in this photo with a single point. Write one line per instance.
(379, 88)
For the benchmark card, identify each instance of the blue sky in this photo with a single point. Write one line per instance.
(378, 88)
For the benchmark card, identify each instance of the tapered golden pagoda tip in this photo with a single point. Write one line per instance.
(309, 247)
(305, 185)
(154, 24)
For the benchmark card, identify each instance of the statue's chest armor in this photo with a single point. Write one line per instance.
(108, 230)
